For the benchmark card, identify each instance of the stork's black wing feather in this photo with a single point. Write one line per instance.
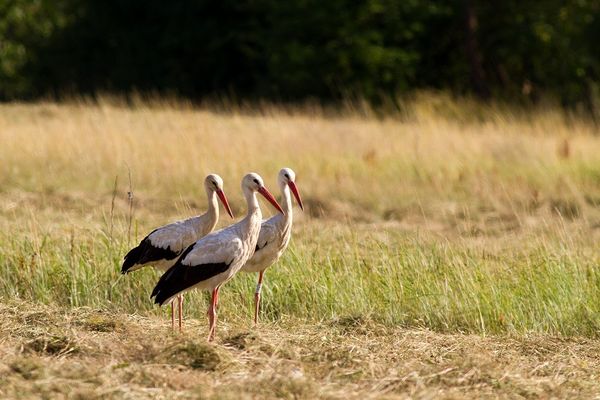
(180, 277)
(145, 253)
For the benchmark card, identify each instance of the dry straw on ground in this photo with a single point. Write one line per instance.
(103, 355)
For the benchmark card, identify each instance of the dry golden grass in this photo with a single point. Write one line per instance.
(84, 353)
(347, 164)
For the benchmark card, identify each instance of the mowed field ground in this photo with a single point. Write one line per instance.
(449, 251)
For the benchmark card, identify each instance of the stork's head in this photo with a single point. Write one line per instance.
(288, 177)
(214, 183)
(252, 182)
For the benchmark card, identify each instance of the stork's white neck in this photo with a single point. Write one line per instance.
(251, 201)
(251, 223)
(287, 200)
(213, 204)
(209, 219)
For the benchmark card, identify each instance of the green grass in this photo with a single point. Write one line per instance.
(339, 271)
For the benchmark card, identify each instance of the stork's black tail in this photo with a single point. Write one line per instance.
(146, 253)
(167, 285)
(180, 277)
(130, 259)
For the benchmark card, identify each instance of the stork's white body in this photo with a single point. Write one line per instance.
(275, 234)
(274, 237)
(177, 236)
(232, 246)
(164, 245)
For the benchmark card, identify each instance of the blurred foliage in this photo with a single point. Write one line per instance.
(25, 28)
(298, 49)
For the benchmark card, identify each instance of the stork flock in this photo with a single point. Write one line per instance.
(192, 256)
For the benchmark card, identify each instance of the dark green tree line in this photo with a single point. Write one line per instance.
(298, 49)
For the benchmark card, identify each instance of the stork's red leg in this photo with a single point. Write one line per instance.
(257, 296)
(180, 301)
(212, 314)
(172, 316)
(211, 318)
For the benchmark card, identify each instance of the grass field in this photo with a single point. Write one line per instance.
(450, 250)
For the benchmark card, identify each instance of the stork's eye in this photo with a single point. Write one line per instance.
(287, 176)
(215, 183)
(256, 181)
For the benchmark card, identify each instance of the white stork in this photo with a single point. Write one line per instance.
(214, 259)
(275, 234)
(163, 245)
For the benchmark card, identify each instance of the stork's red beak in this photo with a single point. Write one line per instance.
(294, 189)
(223, 199)
(267, 195)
